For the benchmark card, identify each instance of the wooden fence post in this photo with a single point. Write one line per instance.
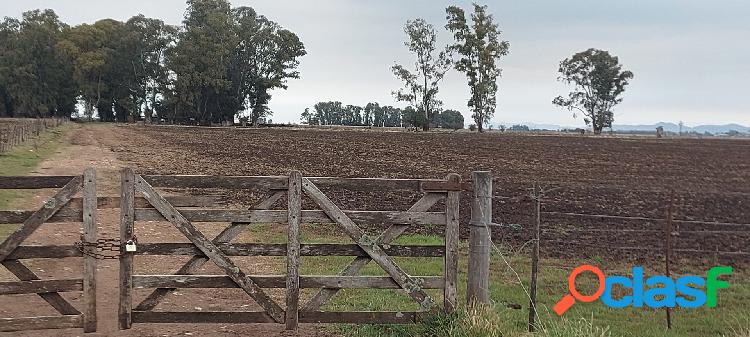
(478, 291)
(452, 205)
(537, 199)
(127, 217)
(294, 208)
(89, 260)
(668, 249)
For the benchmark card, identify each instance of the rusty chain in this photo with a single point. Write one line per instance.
(102, 248)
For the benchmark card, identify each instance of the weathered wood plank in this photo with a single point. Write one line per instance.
(225, 317)
(444, 186)
(63, 215)
(127, 219)
(34, 182)
(294, 209)
(281, 183)
(44, 252)
(361, 317)
(54, 299)
(40, 323)
(229, 182)
(266, 281)
(271, 249)
(378, 184)
(39, 217)
(210, 250)
(369, 245)
(40, 286)
(390, 234)
(177, 201)
(89, 204)
(308, 216)
(452, 206)
(198, 260)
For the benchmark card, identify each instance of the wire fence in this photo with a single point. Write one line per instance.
(16, 131)
(559, 239)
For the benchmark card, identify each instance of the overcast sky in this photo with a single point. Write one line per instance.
(691, 58)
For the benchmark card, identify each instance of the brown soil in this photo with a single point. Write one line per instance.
(708, 178)
(87, 149)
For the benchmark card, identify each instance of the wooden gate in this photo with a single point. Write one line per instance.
(61, 208)
(218, 250)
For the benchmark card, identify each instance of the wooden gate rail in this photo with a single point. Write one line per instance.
(363, 249)
(56, 209)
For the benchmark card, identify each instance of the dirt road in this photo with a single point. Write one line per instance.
(84, 147)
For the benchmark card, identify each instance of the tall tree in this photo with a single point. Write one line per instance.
(199, 63)
(480, 48)
(149, 40)
(421, 84)
(598, 81)
(265, 57)
(35, 77)
(102, 56)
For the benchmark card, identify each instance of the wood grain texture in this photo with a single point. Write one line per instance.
(452, 206)
(369, 245)
(50, 207)
(390, 234)
(210, 250)
(40, 323)
(89, 205)
(308, 216)
(196, 262)
(127, 218)
(34, 182)
(294, 209)
(272, 281)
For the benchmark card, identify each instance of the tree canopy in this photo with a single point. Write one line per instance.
(221, 63)
(373, 114)
(599, 83)
(421, 84)
(479, 48)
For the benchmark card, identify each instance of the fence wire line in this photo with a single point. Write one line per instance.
(697, 222)
(561, 185)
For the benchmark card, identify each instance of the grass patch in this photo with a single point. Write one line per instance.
(731, 318)
(22, 160)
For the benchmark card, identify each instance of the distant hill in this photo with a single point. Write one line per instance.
(668, 126)
(672, 127)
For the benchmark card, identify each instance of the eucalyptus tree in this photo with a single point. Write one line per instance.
(265, 57)
(599, 82)
(479, 45)
(35, 77)
(421, 84)
(149, 40)
(199, 63)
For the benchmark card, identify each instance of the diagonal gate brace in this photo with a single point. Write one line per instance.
(209, 249)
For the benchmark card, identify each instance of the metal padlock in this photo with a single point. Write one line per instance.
(130, 246)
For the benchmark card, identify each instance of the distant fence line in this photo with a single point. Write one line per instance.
(16, 131)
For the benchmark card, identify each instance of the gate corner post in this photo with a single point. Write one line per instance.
(478, 291)
(294, 210)
(127, 219)
(89, 260)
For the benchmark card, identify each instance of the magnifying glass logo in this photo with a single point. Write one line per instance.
(566, 302)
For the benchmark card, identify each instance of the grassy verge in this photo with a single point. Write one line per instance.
(24, 159)
(510, 275)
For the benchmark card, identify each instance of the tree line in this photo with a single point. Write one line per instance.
(373, 114)
(597, 76)
(220, 63)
